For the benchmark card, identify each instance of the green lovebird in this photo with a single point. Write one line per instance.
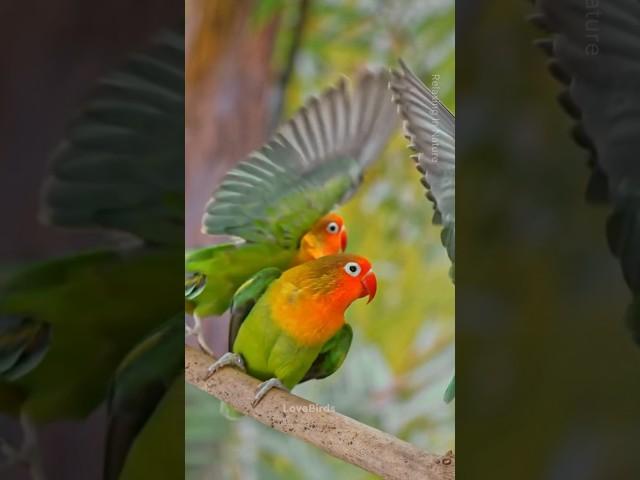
(289, 327)
(431, 129)
(276, 201)
(66, 324)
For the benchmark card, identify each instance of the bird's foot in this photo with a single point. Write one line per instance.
(264, 388)
(228, 359)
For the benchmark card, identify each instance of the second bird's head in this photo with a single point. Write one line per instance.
(328, 236)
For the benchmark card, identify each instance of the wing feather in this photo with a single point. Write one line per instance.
(600, 74)
(430, 127)
(121, 164)
(314, 162)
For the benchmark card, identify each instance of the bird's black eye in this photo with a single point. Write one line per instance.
(352, 268)
(332, 227)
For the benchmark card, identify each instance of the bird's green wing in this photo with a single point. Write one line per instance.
(121, 164)
(332, 355)
(139, 385)
(314, 162)
(430, 127)
(600, 77)
(214, 274)
(247, 296)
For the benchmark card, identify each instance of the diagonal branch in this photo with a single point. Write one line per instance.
(339, 436)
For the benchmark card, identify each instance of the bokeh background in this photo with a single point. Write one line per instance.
(548, 374)
(51, 56)
(250, 66)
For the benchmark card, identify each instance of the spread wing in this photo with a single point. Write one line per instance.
(314, 162)
(600, 73)
(430, 127)
(121, 164)
(600, 80)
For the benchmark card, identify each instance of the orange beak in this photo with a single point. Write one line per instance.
(370, 285)
(343, 239)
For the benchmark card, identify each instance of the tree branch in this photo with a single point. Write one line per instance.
(339, 436)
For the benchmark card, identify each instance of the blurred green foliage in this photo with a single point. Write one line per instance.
(545, 319)
(402, 356)
(342, 37)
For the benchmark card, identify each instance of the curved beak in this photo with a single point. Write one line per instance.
(370, 285)
(343, 239)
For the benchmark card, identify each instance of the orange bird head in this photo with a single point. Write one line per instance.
(358, 277)
(337, 279)
(328, 236)
(309, 301)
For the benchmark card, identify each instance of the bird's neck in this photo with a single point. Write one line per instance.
(310, 249)
(310, 319)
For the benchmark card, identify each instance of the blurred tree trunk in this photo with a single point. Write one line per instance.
(227, 97)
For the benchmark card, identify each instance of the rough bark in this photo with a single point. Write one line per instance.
(338, 435)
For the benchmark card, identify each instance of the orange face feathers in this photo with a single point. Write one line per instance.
(340, 278)
(328, 236)
(309, 300)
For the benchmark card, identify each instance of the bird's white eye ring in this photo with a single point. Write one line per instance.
(332, 227)
(353, 269)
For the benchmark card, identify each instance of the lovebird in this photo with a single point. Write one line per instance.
(66, 324)
(431, 129)
(278, 201)
(289, 327)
